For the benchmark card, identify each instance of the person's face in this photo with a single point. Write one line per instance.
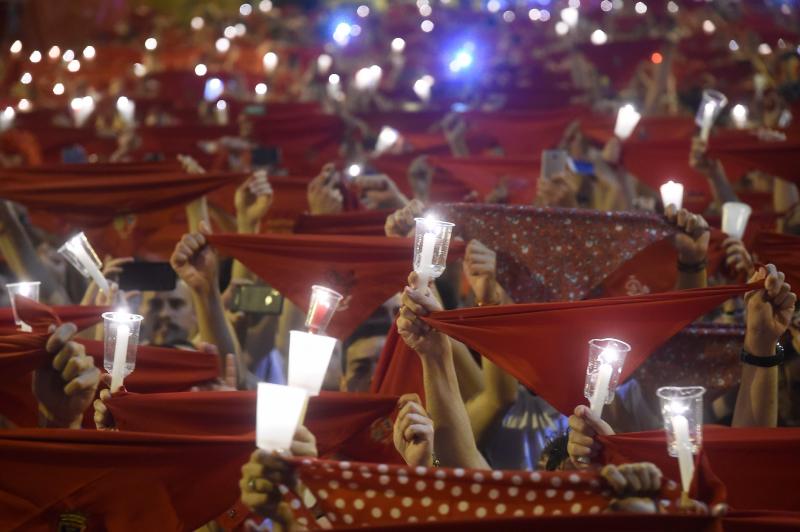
(173, 316)
(362, 357)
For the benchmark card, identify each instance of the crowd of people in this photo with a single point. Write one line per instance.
(255, 150)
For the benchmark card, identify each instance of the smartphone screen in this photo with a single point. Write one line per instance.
(554, 162)
(265, 156)
(581, 167)
(257, 300)
(148, 276)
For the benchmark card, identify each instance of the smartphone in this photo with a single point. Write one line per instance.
(265, 156)
(585, 168)
(258, 299)
(148, 276)
(554, 162)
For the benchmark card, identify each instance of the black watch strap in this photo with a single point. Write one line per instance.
(763, 362)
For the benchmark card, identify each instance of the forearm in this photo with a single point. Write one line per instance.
(244, 227)
(784, 195)
(723, 191)
(215, 329)
(470, 378)
(196, 212)
(499, 394)
(757, 401)
(687, 280)
(454, 443)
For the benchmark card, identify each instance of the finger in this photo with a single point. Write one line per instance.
(577, 424)
(631, 474)
(230, 370)
(408, 398)
(614, 478)
(60, 337)
(70, 350)
(76, 365)
(578, 451)
(596, 423)
(418, 432)
(87, 380)
(581, 439)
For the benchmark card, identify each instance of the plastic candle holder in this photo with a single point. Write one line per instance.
(431, 243)
(734, 218)
(672, 194)
(627, 119)
(79, 252)
(682, 408)
(24, 289)
(279, 411)
(606, 358)
(710, 107)
(120, 340)
(309, 357)
(386, 138)
(323, 305)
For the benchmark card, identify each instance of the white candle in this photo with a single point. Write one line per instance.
(601, 388)
(279, 410)
(90, 266)
(735, 216)
(426, 258)
(120, 356)
(386, 138)
(309, 358)
(672, 194)
(221, 112)
(627, 118)
(680, 425)
(708, 119)
(739, 115)
(126, 109)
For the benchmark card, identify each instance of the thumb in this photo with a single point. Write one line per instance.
(595, 422)
(204, 228)
(230, 370)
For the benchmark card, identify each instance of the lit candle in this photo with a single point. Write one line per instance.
(7, 118)
(709, 109)
(270, 61)
(279, 411)
(221, 112)
(126, 109)
(309, 358)
(386, 138)
(426, 258)
(735, 216)
(120, 356)
(739, 115)
(75, 247)
(672, 194)
(324, 63)
(680, 425)
(601, 389)
(627, 119)
(324, 303)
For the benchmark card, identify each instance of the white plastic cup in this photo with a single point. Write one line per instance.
(120, 342)
(309, 357)
(672, 194)
(734, 218)
(627, 119)
(606, 358)
(25, 289)
(710, 107)
(431, 243)
(321, 309)
(279, 411)
(80, 253)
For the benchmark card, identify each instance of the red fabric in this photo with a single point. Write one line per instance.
(743, 153)
(370, 494)
(484, 174)
(96, 198)
(530, 341)
(619, 60)
(364, 223)
(117, 480)
(40, 316)
(758, 466)
(761, 520)
(781, 250)
(583, 246)
(356, 426)
(365, 270)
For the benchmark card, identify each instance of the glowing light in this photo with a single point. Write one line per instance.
(386, 138)
(398, 45)
(342, 33)
(200, 69)
(570, 15)
(739, 115)
(197, 23)
(709, 27)
(213, 89)
(35, 56)
(656, 58)
(222, 45)
(425, 10)
(598, 37)
(265, 6)
(640, 8)
(26, 78)
(493, 6)
(222, 105)
(562, 28)
(245, 10)
(534, 14)
(509, 16)
(544, 15)
(606, 6)
(68, 56)
(764, 49)
(58, 89)
(672, 7)
(229, 32)
(240, 29)
(270, 61)
(74, 65)
(733, 46)
(422, 87)
(139, 70)
(362, 11)
(354, 170)
(54, 52)
(89, 52)
(16, 47)
(324, 63)
(333, 79)
(24, 105)
(462, 60)
(426, 26)
(151, 43)
(261, 89)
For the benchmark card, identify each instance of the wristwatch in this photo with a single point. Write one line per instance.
(763, 362)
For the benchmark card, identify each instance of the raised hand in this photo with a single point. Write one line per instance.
(379, 191)
(415, 333)
(195, 262)
(401, 222)
(66, 385)
(261, 477)
(738, 259)
(584, 426)
(480, 268)
(769, 311)
(413, 432)
(693, 235)
(253, 199)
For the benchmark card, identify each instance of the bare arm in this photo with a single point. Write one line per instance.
(784, 196)
(691, 242)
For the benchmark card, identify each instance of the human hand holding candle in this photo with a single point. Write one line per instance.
(431, 243)
(584, 425)
(279, 411)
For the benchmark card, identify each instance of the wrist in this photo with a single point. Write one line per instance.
(49, 421)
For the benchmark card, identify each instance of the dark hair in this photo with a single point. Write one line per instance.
(555, 452)
(376, 325)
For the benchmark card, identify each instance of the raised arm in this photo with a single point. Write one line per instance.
(769, 311)
(713, 170)
(454, 444)
(691, 242)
